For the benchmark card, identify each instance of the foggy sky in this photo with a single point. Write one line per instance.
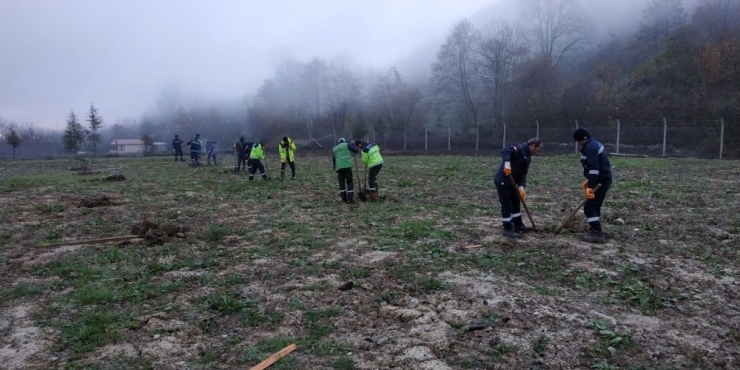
(61, 55)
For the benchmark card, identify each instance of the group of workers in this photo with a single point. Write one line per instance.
(514, 166)
(249, 155)
(510, 179)
(196, 145)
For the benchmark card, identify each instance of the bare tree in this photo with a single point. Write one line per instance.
(455, 72)
(314, 90)
(343, 90)
(503, 48)
(561, 27)
(659, 19)
(396, 100)
(170, 102)
(11, 136)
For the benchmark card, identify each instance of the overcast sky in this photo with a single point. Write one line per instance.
(61, 55)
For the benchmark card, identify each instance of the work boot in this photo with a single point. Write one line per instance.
(511, 234)
(594, 237)
(522, 228)
(374, 195)
(282, 175)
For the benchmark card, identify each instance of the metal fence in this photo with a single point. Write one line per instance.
(702, 139)
(660, 137)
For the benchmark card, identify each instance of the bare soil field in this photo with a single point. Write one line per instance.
(220, 272)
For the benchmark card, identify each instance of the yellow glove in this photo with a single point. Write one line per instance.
(507, 168)
(522, 193)
(590, 193)
(585, 185)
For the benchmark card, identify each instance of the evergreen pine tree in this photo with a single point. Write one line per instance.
(96, 123)
(73, 136)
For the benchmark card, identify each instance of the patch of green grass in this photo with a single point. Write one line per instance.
(635, 292)
(93, 329)
(343, 363)
(23, 290)
(324, 313)
(429, 284)
(216, 233)
(50, 208)
(251, 354)
(25, 182)
(225, 303)
(329, 348)
(539, 345)
(321, 285)
(51, 237)
(414, 230)
(607, 338)
(253, 317)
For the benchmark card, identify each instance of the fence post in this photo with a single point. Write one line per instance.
(477, 131)
(576, 150)
(404, 138)
(619, 127)
(538, 129)
(721, 136)
(504, 136)
(426, 140)
(665, 134)
(449, 133)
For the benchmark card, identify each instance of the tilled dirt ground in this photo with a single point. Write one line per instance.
(224, 272)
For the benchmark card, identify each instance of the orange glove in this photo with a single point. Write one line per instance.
(585, 185)
(522, 193)
(590, 193)
(507, 168)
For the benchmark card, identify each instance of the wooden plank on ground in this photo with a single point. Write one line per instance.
(473, 246)
(89, 241)
(272, 359)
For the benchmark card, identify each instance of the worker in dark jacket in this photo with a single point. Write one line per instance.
(342, 160)
(515, 163)
(177, 147)
(195, 147)
(211, 150)
(597, 170)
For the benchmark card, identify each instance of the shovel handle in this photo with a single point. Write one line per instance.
(516, 188)
(570, 216)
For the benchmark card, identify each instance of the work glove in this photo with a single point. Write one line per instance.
(590, 193)
(585, 185)
(507, 168)
(522, 193)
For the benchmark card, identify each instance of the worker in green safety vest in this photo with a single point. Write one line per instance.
(374, 162)
(342, 159)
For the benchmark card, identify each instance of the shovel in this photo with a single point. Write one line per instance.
(570, 216)
(361, 194)
(513, 183)
(267, 169)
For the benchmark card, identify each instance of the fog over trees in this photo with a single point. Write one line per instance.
(550, 63)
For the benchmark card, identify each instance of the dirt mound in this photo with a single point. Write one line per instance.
(103, 201)
(156, 234)
(114, 178)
